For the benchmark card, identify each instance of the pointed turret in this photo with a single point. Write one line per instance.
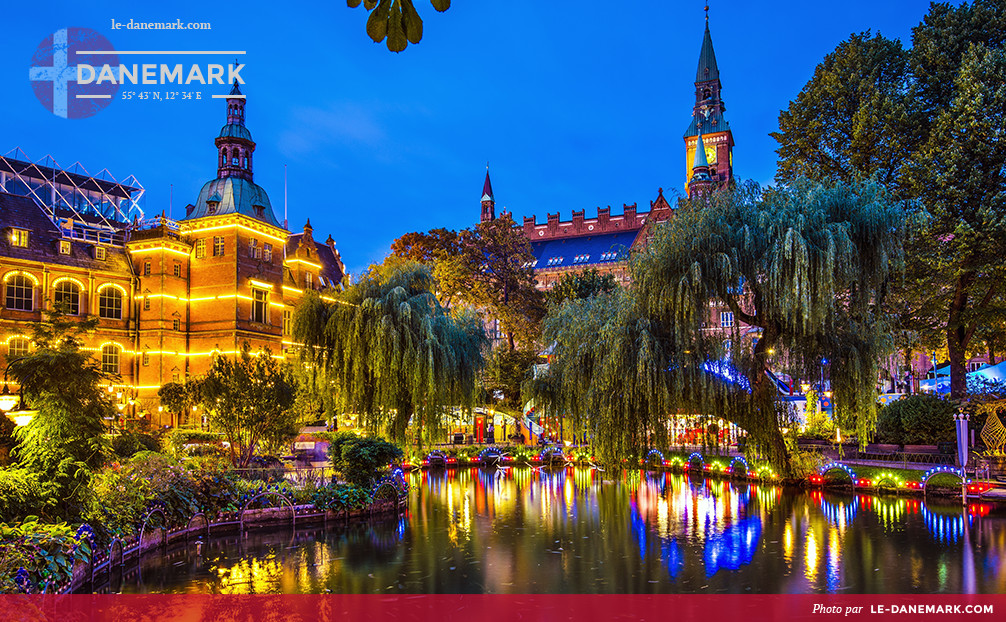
(701, 182)
(488, 202)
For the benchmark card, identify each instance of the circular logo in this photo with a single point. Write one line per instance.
(54, 73)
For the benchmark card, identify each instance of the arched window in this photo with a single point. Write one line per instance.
(110, 358)
(110, 303)
(235, 156)
(67, 293)
(20, 292)
(17, 346)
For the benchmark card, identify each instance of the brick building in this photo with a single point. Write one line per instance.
(169, 295)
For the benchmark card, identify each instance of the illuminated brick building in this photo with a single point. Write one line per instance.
(168, 294)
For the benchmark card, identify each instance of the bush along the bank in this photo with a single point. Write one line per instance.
(37, 557)
(360, 460)
(341, 497)
(917, 420)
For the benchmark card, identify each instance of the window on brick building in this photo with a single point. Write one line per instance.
(146, 359)
(175, 376)
(218, 246)
(267, 253)
(19, 237)
(308, 280)
(17, 346)
(20, 293)
(146, 303)
(110, 303)
(726, 319)
(177, 269)
(146, 268)
(67, 293)
(176, 324)
(110, 358)
(287, 318)
(64, 247)
(100, 253)
(200, 249)
(260, 306)
(253, 249)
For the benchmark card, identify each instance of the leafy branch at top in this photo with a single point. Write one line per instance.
(395, 20)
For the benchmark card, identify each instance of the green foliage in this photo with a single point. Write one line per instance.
(917, 420)
(46, 551)
(577, 285)
(120, 500)
(395, 20)
(392, 352)
(341, 497)
(607, 373)
(817, 423)
(179, 397)
(853, 119)
(128, 443)
(63, 443)
(361, 460)
(7, 440)
(21, 494)
(248, 399)
(506, 372)
(180, 437)
(925, 122)
(808, 265)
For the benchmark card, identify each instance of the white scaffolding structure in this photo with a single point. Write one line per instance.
(98, 209)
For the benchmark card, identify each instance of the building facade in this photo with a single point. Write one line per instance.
(168, 295)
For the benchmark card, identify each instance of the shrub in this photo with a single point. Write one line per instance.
(129, 443)
(341, 497)
(7, 440)
(21, 493)
(119, 503)
(45, 552)
(180, 437)
(360, 460)
(917, 420)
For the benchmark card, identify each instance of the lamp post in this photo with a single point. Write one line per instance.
(961, 422)
(823, 363)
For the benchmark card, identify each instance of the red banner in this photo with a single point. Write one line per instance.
(497, 608)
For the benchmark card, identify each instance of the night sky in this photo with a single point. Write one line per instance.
(574, 104)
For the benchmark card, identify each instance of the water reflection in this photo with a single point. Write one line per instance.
(579, 530)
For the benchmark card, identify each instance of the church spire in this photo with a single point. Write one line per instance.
(488, 202)
(707, 69)
(708, 121)
(234, 144)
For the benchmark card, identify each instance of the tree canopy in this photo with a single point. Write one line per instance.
(247, 398)
(576, 285)
(391, 352)
(925, 122)
(486, 268)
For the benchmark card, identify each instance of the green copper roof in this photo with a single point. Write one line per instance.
(715, 123)
(700, 154)
(233, 130)
(235, 196)
(707, 60)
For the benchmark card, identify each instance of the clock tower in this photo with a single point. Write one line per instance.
(708, 121)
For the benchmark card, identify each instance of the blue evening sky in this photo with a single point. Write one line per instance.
(574, 104)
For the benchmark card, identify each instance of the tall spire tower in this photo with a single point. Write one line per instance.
(708, 121)
(488, 202)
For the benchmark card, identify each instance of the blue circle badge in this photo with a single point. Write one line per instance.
(53, 72)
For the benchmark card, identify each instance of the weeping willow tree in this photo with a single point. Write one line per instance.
(806, 266)
(608, 373)
(389, 352)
